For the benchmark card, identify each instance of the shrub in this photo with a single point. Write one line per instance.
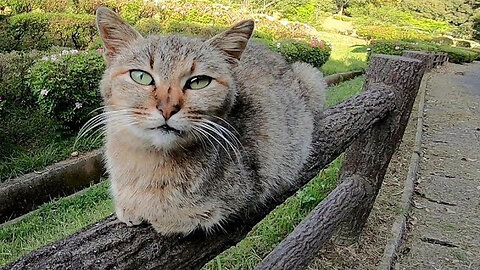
(456, 55)
(149, 26)
(16, 6)
(463, 44)
(66, 85)
(37, 30)
(13, 70)
(443, 41)
(391, 33)
(90, 6)
(193, 29)
(316, 53)
(131, 10)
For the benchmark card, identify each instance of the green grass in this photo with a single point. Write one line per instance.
(30, 141)
(54, 221)
(24, 161)
(345, 90)
(348, 53)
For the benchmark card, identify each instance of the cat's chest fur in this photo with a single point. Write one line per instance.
(148, 170)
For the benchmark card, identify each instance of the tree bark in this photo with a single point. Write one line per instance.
(370, 155)
(364, 167)
(110, 244)
(25, 193)
(427, 58)
(301, 246)
(341, 77)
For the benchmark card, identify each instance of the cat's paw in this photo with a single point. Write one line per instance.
(128, 218)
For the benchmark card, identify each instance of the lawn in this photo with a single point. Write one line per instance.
(29, 141)
(348, 53)
(63, 217)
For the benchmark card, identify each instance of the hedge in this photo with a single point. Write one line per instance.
(36, 30)
(456, 55)
(315, 53)
(66, 86)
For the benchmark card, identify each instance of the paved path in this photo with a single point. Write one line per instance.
(445, 223)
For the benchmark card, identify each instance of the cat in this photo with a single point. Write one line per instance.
(201, 130)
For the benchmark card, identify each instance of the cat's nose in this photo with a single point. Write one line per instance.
(168, 110)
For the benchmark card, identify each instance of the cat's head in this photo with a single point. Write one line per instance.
(166, 89)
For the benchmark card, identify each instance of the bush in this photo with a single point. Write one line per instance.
(66, 86)
(131, 10)
(149, 26)
(463, 44)
(193, 29)
(13, 70)
(443, 41)
(456, 55)
(16, 6)
(391, 33)
(37, 30)
(316, 53)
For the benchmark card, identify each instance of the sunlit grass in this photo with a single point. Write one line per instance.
(348, 53)
(24, 161)
(54, 221)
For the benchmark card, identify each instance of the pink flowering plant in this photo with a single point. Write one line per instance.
(66, 85)
(316, 52)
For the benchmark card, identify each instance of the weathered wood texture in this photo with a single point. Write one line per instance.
(426, 57)
(370, 155)
(341, 77)
(440, 59)
(364, 167)
(25, 193)
(301, 246)
(110, 244)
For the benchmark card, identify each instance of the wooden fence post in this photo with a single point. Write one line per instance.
(426, 57)
(368, 157)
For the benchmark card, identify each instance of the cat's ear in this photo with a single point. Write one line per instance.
(234, 40)
(116, 34)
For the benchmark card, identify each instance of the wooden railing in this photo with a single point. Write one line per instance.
(368, 128)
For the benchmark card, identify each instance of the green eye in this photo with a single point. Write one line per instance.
(141, 77)
(198, 82)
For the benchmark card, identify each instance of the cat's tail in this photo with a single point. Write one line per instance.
(312, 84)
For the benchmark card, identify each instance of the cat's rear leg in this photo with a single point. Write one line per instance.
(313, 85)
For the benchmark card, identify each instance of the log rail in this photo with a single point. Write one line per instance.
(368, 127)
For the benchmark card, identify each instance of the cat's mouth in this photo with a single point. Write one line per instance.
(167, 129)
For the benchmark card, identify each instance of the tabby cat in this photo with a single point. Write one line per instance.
(199, 131)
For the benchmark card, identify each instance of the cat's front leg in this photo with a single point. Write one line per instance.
(128, 216)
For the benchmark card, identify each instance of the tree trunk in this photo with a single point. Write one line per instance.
(370, 155)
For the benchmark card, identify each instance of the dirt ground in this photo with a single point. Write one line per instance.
(444, 226)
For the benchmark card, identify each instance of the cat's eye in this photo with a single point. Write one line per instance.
(198, 82)
(141, 77)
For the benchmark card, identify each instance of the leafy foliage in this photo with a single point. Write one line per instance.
(66, 86)
(456, 55)
(316, 53)
(13, 70)
(41, 31)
